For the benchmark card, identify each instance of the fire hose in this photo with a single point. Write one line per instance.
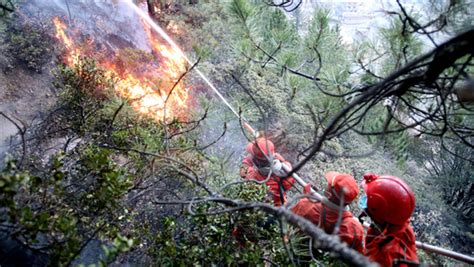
(299, 180)
(320, 198)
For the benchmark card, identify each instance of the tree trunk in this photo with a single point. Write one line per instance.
(462, 200)
(151, 7)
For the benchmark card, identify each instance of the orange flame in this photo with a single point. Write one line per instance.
(72, 54)
(154, 90)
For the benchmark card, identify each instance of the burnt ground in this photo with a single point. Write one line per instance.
(25, 95)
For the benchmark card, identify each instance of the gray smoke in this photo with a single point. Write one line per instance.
(110, 23)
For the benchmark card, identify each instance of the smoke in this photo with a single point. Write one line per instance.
(111, 23)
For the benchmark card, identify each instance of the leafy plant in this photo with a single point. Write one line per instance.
(63, 216)
(30, 44)
(222, 239)
(84, 91)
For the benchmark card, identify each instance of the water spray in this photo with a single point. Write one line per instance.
(170, 41)
(248, 127)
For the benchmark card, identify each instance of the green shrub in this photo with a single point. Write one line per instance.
(29, 44)
(83, 91)
(6, 7)
(234, 238)
(52, 210)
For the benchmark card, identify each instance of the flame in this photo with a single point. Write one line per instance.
(72, 54)
(153, 88)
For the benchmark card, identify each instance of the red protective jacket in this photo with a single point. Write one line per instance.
(350, 229)
(394, 243)
(249, 171)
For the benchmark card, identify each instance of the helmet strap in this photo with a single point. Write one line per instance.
(381, 227)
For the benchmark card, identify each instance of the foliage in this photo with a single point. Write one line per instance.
(52, 214)
(279, 64)
(84, 90)
(323, 43)
(266, 31)
(397, 44)
(401, 45)
(29, 43)
(89, 106)
(447, 165)
(450, 16)
(397, 143)
(449, 170)
(324, 47)
(223, 239)
(78, 196)
(6, 6)
(120, 244)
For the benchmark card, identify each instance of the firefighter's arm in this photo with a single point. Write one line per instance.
(245, 168)
(302, 208)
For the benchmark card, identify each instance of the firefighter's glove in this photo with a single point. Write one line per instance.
(277, 166)
(244, 171)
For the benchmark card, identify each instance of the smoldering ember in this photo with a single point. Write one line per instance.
(236, 132)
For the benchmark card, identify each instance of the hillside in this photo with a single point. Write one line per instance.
(122, 140)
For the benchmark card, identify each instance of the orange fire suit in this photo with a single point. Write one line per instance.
(250, 171)
(394, 245)
(350, 229)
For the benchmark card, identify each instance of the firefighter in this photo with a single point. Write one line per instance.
(263, 164)
(389, 202)
(341, 190)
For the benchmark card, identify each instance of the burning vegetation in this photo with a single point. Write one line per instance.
(151, 82)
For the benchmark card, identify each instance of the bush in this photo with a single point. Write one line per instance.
(29, 44)
(6, 6)
(84, 90)
(56, 211)
(244, 237)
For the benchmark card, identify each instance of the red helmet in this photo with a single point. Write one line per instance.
(389, 199)
(261, 148)
(343, 184)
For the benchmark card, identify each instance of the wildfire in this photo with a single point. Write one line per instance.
(151, 84)
(72, 54)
